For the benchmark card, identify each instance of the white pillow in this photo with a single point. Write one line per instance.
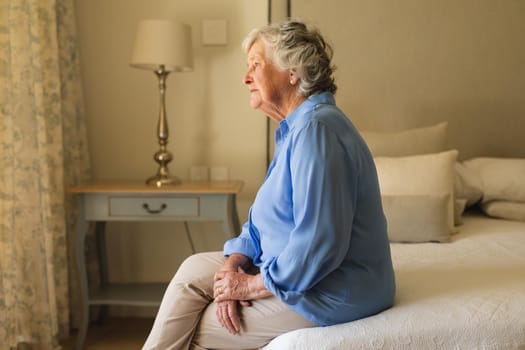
(468, 185)
(505, 210)
(501, 178)
(430, 139)
(417, 218)
(427, 174)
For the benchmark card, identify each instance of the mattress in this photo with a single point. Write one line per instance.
(466, 294)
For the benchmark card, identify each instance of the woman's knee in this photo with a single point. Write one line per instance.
(200, 265)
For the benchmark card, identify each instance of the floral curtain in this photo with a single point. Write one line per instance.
(43, 150)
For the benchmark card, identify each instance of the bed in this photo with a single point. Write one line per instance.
(465, 294)
(457, 232)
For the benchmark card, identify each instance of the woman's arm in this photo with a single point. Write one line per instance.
(323, 187)
(234, 261)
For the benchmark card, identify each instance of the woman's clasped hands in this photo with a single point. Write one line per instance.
(229, 289)
(230, 285)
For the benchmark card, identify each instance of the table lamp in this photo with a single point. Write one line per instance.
(162, 46)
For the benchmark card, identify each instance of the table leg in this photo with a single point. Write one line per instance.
(80, 253)
(100, 235)
(231, 226)
(188, 235)
(235, 217)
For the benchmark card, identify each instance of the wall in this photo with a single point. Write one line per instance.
(209, 117)
(412, 63)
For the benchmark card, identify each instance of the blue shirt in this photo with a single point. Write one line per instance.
(316, 228)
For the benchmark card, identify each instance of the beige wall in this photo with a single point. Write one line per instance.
(411, 63)
(208, 114)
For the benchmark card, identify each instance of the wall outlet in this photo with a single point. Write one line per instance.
(199, 173)
(219, 173)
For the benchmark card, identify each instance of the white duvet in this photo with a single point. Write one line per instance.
(467, 294)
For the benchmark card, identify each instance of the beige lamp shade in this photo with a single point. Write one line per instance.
(162, 42)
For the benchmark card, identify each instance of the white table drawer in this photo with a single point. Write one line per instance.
(153, 206)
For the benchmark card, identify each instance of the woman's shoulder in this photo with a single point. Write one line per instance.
(331, 117)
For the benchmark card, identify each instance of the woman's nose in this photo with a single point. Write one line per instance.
(247, 79)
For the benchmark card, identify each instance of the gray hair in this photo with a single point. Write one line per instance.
(301, 50)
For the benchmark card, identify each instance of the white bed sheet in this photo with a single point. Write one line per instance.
(466, 294)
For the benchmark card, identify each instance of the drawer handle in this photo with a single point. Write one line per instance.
(154, 211)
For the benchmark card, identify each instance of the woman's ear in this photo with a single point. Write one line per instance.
(293, 78)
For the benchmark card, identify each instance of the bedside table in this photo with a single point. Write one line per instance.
(105, 201)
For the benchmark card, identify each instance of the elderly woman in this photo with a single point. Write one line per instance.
(314, 251)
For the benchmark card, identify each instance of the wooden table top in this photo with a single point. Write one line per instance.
(138, 186)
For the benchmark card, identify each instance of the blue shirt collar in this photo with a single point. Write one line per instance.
(287, 124)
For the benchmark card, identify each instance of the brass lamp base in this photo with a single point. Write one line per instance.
(163, 177)
(162, 181)
(162, 156)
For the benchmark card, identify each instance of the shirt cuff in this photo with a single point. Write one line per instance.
(289, 297)
(239, 245)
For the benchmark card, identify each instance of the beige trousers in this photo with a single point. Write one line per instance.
(186, 318)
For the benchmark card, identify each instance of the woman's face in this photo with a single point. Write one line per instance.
(268, 85)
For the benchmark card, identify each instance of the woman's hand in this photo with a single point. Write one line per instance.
(227, 314)
(236, 261)
(234, 288)
(230, 285)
